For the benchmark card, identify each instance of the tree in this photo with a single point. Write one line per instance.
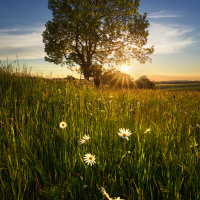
(144, 83)
(92, 33)
(117, 79)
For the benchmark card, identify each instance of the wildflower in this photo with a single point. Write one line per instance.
(138, 103)
(91, 114)
(147, 131)
(85, 139)
(129, 151)
(63, 125)
(84, 186)
(105, 193)
(194, 145)
(198, 126)
(124, 133)
(89, 159)
(118, 198)
(90, 104)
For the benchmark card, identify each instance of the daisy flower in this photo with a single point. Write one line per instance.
(124, 133)
(63, 125)
(118, 198)
(147, 131)
(105, 193)
(89, 159)
(85, 139)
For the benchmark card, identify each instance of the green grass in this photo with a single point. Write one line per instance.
(39, 160)
(177, 86)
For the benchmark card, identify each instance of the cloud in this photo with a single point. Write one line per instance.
(170, 38)
(163, 14)
(26, 42)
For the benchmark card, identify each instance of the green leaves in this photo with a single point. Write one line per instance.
(95, 32)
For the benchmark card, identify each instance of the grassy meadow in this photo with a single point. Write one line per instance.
(179, 86)
(40, 160)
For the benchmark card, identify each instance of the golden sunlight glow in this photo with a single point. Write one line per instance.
(125, 68)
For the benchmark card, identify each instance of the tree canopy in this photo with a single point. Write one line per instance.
(91, 33)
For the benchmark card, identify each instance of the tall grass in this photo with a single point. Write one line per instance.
(39, 160)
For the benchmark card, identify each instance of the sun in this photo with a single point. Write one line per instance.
(125, 68)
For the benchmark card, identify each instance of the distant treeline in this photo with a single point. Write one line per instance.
(175, 82)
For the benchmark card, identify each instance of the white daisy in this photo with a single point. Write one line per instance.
(84, 186)
(85, 139)
(105, 193)
(147, 131)
(124, 133)
(118, 198)
(63, 125)
(89, 159)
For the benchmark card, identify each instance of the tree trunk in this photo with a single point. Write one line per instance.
(86, 73)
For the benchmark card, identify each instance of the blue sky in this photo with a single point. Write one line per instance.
(174, 31)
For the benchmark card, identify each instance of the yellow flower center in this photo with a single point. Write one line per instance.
(90, 158)
(124, 135)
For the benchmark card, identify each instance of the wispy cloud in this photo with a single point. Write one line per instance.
(26, 42)
(170, 38)
(163, 14)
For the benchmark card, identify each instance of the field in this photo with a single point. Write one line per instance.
(179, 86)
(41, 160)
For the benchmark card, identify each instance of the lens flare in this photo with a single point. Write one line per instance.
(125, 68)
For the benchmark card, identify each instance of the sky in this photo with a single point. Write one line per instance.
(174, 31)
